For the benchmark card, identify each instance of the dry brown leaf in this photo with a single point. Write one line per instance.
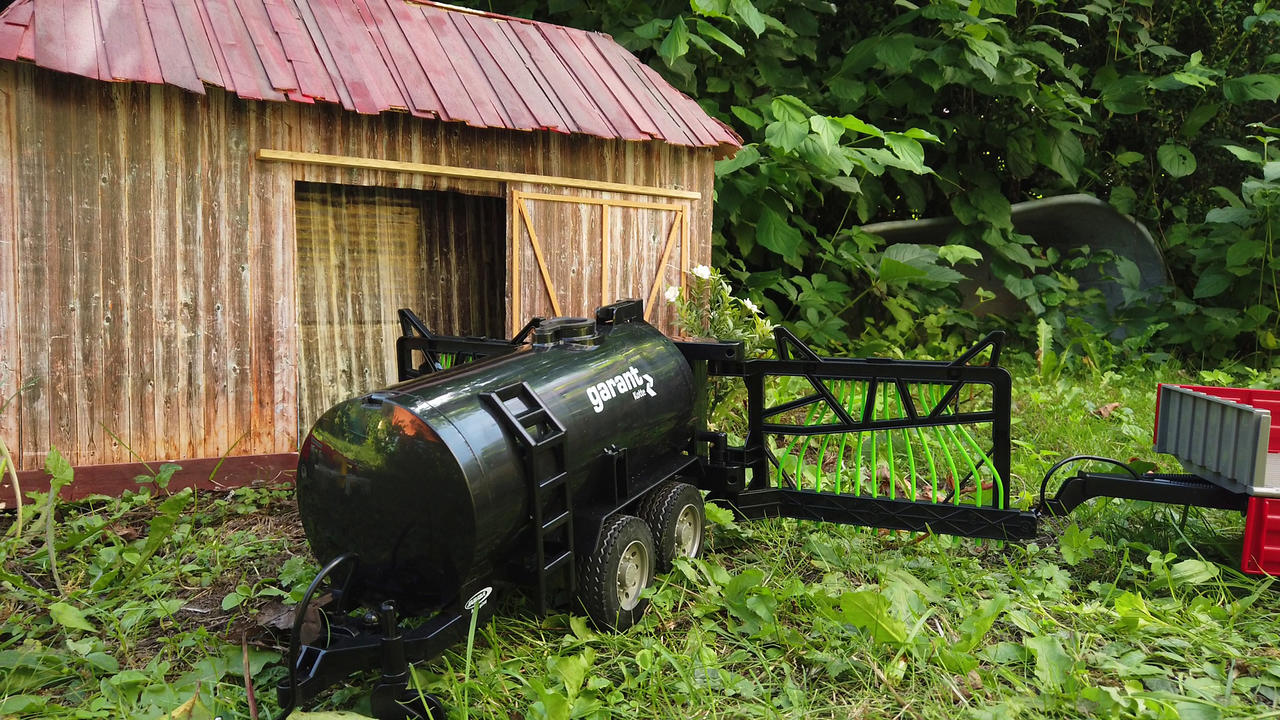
(1105, 411)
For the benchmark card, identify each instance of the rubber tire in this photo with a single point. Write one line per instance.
(598, 573)
(661, 509)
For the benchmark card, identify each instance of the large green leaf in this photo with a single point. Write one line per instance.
(1211, 284)
(1176, 160)
(745, 157)
(897, 52)
(1061, 152)
(1053, 664)
(776, 234)
(786, 135)
(750, 16)
(70, 617)
(676, 44)
(708, 30)
(871, 611)
(1252, 87)
(892, 271)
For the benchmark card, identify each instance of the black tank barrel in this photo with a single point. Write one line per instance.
(426, 480)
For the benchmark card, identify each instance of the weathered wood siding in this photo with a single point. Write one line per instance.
(148, 262)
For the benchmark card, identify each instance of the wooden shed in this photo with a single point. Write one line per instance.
(210, 210)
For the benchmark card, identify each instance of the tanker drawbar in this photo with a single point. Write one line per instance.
(570, 463)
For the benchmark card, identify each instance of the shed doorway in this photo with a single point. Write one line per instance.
(365, 252)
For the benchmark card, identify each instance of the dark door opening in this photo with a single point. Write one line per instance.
(365, 252)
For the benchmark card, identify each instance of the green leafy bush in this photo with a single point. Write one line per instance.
(854, 112)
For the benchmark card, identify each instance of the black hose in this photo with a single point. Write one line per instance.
(1044, 484)
(299, 617)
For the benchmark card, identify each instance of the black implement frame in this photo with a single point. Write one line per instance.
(728, 468)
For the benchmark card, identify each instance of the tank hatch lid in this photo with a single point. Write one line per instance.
(566, 331)
(622, 311)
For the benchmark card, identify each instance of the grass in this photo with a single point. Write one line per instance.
(1124, 610)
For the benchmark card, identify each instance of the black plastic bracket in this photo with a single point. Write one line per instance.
(1168, 489)
(350, 651)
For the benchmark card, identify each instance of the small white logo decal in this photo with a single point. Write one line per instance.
(632, 381)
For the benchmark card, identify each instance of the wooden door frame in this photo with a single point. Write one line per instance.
(522, 223)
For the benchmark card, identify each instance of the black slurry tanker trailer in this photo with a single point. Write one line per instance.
(571, 463)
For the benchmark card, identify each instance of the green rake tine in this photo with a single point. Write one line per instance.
(972, 468)
(946, 451)
(822, 448)
(995, 474)
(893, 478)
(977, 479)
(858, 470)
(906, 440)
(813, 409)
(844, 439)
(875, 448)
(928, 454)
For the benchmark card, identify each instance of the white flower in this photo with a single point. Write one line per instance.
(673, 293)
(701, 271)
(755, 310)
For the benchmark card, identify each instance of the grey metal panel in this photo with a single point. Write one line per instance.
(1222, 441)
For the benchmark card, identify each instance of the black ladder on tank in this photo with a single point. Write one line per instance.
(540, 437)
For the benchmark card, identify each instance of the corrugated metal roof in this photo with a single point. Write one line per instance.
(371, 56)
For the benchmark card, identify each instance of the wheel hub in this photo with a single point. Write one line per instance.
(633, 571)
(688, 532)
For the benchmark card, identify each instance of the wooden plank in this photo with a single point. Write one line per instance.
(176, 63)
(610, 201)
(62, 302)
(452, 101)
(469, 173)
(475, 84)
(101, 279)
(169, 160)
(263, 226)
(235, 278)
(266, 44)
(515, 246)
(502, 67)
(301, 51)
(51, 50)
(214, 262)
(210, 474)
(577, 53)
(662, 266)
(284, 318)
(542, 262)
(36, 259)
(78, 34)
(604, 255)
(11, 377)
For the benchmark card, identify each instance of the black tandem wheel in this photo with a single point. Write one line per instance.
(676, 517)
(612, 578)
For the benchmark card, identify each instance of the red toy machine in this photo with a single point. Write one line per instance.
(1230, 437)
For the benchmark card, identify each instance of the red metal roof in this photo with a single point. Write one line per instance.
(372, 56)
